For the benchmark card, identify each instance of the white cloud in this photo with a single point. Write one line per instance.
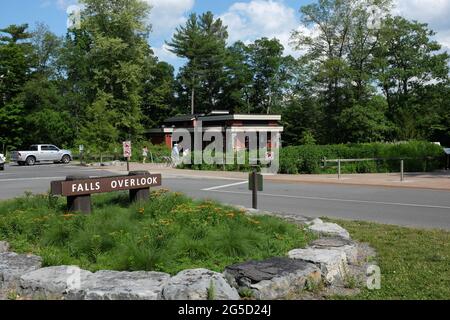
(164, 54)
(166, 15)
(248, 21)
(433, 12)
(64, 4)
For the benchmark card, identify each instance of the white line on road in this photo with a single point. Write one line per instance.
(225, 186)
(180, 176)
(38, 178)
(340, 200)
(30, 179)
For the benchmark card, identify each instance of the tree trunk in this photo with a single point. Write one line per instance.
(193, 101)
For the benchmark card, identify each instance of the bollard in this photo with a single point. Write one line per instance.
(139, 195)
(82, 204)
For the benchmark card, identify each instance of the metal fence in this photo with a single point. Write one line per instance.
(401, 163)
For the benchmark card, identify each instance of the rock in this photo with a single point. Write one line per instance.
(332, 262)
(349, 247)
(199, 284)
(4, 247)
(328, 229)
(315, 221)
(274, 278)
(53, 281)
(113, 285)
(13, 266)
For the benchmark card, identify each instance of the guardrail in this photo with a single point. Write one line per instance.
(90, 158)
(402, 163)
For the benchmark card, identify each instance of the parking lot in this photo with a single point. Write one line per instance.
(400, 206)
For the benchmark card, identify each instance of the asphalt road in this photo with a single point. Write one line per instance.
(406, 207)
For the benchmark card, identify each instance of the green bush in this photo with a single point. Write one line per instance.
(424, 156)
(308, 159)
(170, 233)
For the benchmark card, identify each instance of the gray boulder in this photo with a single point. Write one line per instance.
(113, 285)
(53, 281)
(332, 263)
(199, 284)
(274, 278)
(349, 247)
(321, 228)
(13, 266)
(4, 247)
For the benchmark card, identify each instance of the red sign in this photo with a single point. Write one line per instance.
(127, 149)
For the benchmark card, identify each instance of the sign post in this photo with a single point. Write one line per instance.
(127, 152)
(81, 148)
(447, 152)
(256, 183)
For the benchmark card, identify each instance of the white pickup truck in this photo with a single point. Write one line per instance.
(2, 162)
(41, 153)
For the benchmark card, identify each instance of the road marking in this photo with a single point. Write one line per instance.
(39, 178)
(180, 176)
(29, 179)
(225, 186)
(340, 200)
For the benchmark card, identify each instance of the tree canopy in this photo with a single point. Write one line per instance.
(101, 83)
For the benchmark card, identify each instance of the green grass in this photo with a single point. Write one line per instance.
(415, 264)
(168, 234)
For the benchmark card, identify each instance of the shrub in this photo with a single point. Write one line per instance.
(170, 233)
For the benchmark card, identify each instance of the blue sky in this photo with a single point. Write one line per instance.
(247, 20)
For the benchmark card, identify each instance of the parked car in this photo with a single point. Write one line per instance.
(41, 153)
(2, 162)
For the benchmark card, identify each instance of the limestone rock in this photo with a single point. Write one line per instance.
(113, 285)
(349, 247)
(332, 263)
(199, 284)
(4, 247)
(328, 229)
(274, 278)
(53, 281)
(13, 266)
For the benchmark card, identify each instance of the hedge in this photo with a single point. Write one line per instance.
(420, 156)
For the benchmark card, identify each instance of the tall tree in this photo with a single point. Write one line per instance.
(266, 58)
(158, 100)
(408, 62)
(112, 45)
(15, 70)
(202, 41)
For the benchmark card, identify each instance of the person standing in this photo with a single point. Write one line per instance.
(144, 154)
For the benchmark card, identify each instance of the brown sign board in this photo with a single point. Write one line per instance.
(104, 185)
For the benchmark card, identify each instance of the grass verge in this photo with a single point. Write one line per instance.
(168, 234)
(415, 264)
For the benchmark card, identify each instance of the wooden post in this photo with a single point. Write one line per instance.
(81, 204)
(139, 195)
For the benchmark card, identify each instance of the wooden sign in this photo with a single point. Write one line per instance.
(104, 185)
